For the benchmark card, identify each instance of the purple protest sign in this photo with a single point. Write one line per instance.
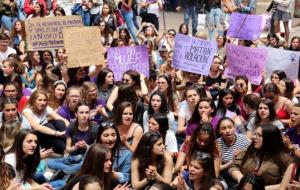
(193, 54)
(244, 26)
(121, 59)
(246, 61)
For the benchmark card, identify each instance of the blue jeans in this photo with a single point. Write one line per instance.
(40, 178)
(8, 22)
(70, 164)
(190, 11)
(128, 17)
(214, 22)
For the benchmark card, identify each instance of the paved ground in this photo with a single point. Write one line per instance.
(174, 19)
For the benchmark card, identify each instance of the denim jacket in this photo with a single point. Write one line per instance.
(85, 14)
(122, 165)
(249, 8)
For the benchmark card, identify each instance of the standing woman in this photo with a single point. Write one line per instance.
(18, 36)
(130, 132)
(108, 135)
(283, 106)
(57, 98)
(105, 83)
(153, 8)
(39, 10)
(150, 162)
(50, 133)
(221, 41)
(24, 157)
(127, 13)
(158, 104)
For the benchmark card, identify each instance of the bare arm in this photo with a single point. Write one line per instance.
(181, 125)
(112, 98)
(136, 183)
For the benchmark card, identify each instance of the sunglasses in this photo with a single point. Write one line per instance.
(239, 85)
(172, 34)
(107, 124)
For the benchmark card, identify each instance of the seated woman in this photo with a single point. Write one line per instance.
(158, 104)
(79, 138)
(230, 144)
(51, 133)
(24, 157)
(130, 132)
(251, 181)
(67, 110)
(200, 174)
(98, 163)
(8, 132)
(150, 163)
(58, 95)
(203, 139)
(267, 156)
(283, 106)
(265, 113)
(10, 112)
(159, 122)
(108, 135)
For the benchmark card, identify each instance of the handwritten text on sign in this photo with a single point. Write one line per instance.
(121, 59)
(46, 33)
(244, 26)
(193, 54)
(246, 61)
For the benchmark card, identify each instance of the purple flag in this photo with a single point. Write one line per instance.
(244, 26)
(193, 54)
(246, 61)
(121, 59)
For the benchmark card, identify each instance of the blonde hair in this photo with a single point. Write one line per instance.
(8, 132)
(33, 98)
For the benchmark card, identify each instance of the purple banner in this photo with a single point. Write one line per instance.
(193, 54)
(244, 26)
(246, 61)
(121, 59)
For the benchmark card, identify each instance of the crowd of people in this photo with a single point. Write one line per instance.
(79, 128)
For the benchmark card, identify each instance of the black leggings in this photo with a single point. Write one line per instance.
(58, 144)
(153, 19)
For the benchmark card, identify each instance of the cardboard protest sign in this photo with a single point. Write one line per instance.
(121, 59)
(46, 33)
(279, 59)
(193, 54)
(244, 26)
(84, 46)
(246, 61)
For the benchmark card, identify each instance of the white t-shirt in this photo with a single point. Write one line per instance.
(170, 117)
(11, 159)
(4, 55)
(154, 8)
(171, 142)
(40, 119)
(184, 110)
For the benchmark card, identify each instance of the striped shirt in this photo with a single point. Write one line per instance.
(241, 143)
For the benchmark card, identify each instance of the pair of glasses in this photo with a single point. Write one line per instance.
(107, 124)
(239, 85)
(172, 34)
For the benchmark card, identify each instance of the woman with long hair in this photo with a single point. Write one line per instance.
(204, 140)
(295, 44)
(150, 163)
(24, 157)
(240, 91)
(267, 156)
(130, 132)
(79, 137)
(108, 135)
(18, 36)
(37, 113)
(227, 106)
(283, 106)
(58, 95)
(200, 174)
(8, 132)
(159, 122)
(158, 104)
(105, 83)
(106, 16)
(265, 113)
